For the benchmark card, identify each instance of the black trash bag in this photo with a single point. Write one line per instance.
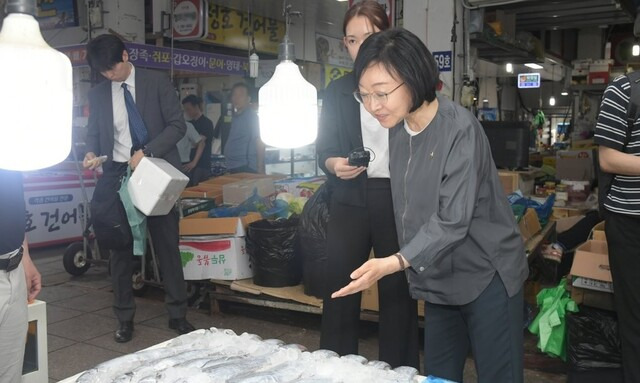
(312, 234)
(272, 247)
(593, 340)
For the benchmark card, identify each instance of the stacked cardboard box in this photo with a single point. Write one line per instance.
(214, 248)
(591, 281)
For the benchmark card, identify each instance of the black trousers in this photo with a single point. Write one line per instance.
(623, 240)
(490, 326)
(164, 234)
(351, 233)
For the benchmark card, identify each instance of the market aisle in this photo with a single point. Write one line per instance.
(81, 322)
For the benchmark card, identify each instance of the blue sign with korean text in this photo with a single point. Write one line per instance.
(150, 56)
(444, 60)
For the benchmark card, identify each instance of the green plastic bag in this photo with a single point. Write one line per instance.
(550, 324)
(137, 220)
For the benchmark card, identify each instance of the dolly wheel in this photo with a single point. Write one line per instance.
(137, 280)
(75, 260)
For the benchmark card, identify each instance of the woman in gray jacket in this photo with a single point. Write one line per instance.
(459, 242)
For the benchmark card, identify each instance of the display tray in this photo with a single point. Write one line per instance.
(248, 349)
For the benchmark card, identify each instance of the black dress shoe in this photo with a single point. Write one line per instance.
(181, 325)
(124, 332)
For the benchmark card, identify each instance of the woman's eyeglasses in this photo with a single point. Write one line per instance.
(379, 97)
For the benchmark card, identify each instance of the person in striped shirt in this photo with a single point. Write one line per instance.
(619, 154)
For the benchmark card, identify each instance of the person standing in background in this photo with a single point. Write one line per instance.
(244, 150)
(191, 140)
(136, 114)
(361, 211)
(192, 106)
(619, 154)
(20, 281)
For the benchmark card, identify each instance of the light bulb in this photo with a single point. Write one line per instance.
(36, 94)
(288, 108)
(564, 93)
(254, 62)
(552, 101)
(509, 68)
(636, 49)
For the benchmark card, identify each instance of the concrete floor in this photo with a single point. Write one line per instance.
(81, 324)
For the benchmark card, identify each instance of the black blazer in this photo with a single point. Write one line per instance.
(339, 132)
(159, 106)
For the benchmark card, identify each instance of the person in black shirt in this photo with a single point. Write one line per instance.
(204, 126)
(19, 280)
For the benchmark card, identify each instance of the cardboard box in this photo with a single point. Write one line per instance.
(568, 211)
(237, 192)
(204, 191)
(299, 186)
(575, 165)
(517, 180)
(190, 206)
(597, 233)
(222, 180)
(370, 299)
(214, 248)
(592, 298)
(529, 224)
(212, 257)
(200, 224)
(591, 261)
(155, 186)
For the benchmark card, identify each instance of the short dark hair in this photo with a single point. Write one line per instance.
(192, 99)
(372, 10)
(104, 52)
(241, 85)
(406, 58)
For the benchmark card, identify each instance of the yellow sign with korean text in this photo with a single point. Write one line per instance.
(333, 73)
(233, 28)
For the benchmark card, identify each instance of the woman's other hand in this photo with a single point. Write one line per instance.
(341, 168)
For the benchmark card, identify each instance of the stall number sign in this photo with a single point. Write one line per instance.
(443, 59)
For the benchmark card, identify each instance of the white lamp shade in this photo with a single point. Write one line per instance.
(288, 108)
(552, 101)
(36, 97)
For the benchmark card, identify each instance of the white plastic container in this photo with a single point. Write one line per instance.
(155, 186)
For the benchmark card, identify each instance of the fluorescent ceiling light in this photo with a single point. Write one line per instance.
(533, 66)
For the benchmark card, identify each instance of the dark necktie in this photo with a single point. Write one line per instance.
(139, 136)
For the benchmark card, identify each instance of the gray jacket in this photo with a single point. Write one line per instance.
(455, 226)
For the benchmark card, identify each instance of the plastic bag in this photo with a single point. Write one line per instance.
(550, 324)
(313, 241)
(543, 210)
(272, 247)
(593, 340)
(255, 203)
(137, 220)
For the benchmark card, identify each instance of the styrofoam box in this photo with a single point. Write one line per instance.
(155, 186)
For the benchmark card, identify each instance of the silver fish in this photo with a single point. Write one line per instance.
(282, 373)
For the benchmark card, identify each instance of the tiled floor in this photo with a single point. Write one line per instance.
(81, 322)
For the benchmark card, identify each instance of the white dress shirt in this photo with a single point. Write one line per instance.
(375, 139)
(122, 142)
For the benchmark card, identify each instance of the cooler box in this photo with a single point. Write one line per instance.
(155, 186)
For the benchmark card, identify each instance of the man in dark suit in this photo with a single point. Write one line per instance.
(136, 114)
